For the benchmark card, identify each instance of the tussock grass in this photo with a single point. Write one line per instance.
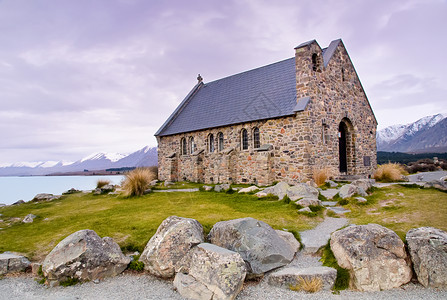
(389, 172)
(310, 285)
(137, 181)
(321, 175)
(101, 183)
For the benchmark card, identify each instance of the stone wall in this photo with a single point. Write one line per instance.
(301, 144)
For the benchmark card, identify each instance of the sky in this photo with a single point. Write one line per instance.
(79, 77)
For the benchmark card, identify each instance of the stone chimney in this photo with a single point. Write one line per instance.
(308, 66)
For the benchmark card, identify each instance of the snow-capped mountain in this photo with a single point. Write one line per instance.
(97, 161)
(428, 134)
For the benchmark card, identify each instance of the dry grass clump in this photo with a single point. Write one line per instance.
(102, 182)
(137, 181)
(310, 285)
(321, 175)
(389, 172)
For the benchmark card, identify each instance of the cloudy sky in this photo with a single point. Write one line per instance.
(78, 77)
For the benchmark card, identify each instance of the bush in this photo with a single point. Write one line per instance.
(389, 172)
(320, 176)
(136, 265)
(311, 285)
(102, 182)
(137, 181)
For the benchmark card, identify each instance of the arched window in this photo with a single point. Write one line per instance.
(314, 61)
(220, 141)
(211, 143)
(192, 145)
(183, 149)
(244, 139)
(256, 139)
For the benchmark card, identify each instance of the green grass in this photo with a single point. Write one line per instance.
(131, 222)
(179, 185)
(329, 260)
(401, 208)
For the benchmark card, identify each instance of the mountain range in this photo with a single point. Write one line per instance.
(146, 156)
(428, 134)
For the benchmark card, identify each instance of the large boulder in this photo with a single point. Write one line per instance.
(348, 190)
(305, 202)
(364, 184)
(10, 263)
(302, 190)
(428, 251)
(172, 241)
(259, 245)
(374, 255)
(248, 189)
(280, 190)
(290, 239)
(83, 255)
(210, 272)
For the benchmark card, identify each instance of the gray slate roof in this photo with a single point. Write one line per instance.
(263, 93)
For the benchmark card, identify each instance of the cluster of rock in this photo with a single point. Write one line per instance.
(302, 194)
(218, 187)
(45, 197)
(377, 260)
(357, 187)
(108, 188)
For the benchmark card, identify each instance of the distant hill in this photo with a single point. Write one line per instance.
(428, 134)
(146, 156)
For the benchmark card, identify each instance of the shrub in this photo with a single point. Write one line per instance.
(69, 282)
(311, 285)
(135, 264)
(320, 176)
(343, 202)
(102, 182)
(137, 181)
(389, 172)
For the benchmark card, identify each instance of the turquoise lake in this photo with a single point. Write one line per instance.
(13, 189)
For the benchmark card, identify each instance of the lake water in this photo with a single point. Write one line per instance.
(13, 189)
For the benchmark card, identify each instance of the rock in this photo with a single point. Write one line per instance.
(147, 191)
(248, 189)
(292, 276)
(2, 204)
(280, 190)
(153, 183)
(10, 263)
(108, 188)
(428, 251)
(172, 241)
(29, 218)
(290, 239)
(83, 255)
(361, 200)
(210, 272)
(168, 183)
(222, 187)
(18, 202)
(437, 184)
(35, 267)
(309, 201)
(305, 209)
(365, 184)
(346, 191)
(302, 190)
(261, 194)
(374, 255)
(331, 183)
(45, 197)
(207, 188)
(259, 245)
(71, 191)
(361, 192)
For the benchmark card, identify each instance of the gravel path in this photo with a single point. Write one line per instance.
(315, 238)
(130, 286)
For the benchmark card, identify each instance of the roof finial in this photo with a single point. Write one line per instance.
(199, 78)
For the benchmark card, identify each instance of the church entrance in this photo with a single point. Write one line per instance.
(346, 149)
(342, 148)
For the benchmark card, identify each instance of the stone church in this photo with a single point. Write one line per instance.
(279, 122)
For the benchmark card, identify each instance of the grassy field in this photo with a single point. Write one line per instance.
(132, 221)
(401, 208)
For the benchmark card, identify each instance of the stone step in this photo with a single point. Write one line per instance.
(293, 277)
(329, 193)
(339, 210)
(329, 203)
(315, 238)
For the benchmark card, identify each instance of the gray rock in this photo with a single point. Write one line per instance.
(172, 241)
(222, 187)
(207, 188)
(309, 201)
(437, 184)
(280, 190)
(259, 245)
(71, 191)
(361, 192)
(153, 183)
(348, 190)
(108, 188)
(365, 184)
(374, 255)
(35, 267)
(428, 251)
(18, 202)
(147, 191)
(292, 276)
(45, 197)
(305, 209)
(83, 255)
(331, 183)
(302, 190)
(248, 189)
(29, 218)
(361, 200)
(210, 272)
(290, 239)
(10, 263)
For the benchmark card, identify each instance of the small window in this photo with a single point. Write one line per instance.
(342, 74)
(220, 141)
(314, 61)
(256, 139)
(183, 146)
(192, 145)
(244, 139)
(211, 143)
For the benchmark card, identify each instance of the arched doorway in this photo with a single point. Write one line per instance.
(342, 151)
